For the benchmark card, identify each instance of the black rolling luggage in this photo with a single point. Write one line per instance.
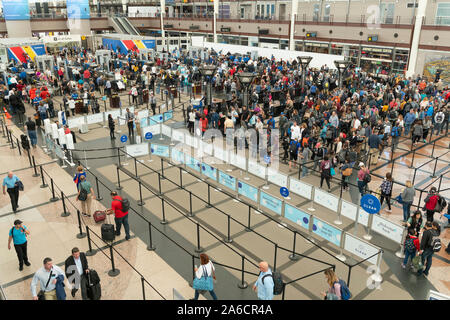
(94, 289)
(108, 233)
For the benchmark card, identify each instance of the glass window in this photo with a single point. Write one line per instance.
(326, 13)
(316, 12)
(443, 14)
(387, 13)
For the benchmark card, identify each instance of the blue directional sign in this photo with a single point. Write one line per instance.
(124, 138)
(284, 192)
(370, 204)
(267, 159)
(148, 135)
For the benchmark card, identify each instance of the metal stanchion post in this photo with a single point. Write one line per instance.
(150, 246)
(140, 202)
(412, 160)
(164, 221)
(248, 228)
(34, 166)
(159, 184)
(208, 205)
(228, 238)
(143, 288)
(43, 185)
(275, 257)
(53, 198)
(434, 170)
(113, 272)
(312, 201)
(80, 235)
(294, 256)
(199, 249)
(90, 252)
(190, 205)
(243, 284)
(99, 197)
(118, 180)
(65, 212)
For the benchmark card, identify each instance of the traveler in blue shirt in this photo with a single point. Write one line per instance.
(409, 119)
(271, 122)
(18, 235)
(264, 285)
(13, 190)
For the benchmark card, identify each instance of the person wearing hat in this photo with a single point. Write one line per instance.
(18, 235)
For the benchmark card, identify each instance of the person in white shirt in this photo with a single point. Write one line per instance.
(71, 103)
(438, 121)
(47, 274)
(206, 270)
(295, 131)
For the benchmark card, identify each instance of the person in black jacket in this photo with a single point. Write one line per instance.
(111, 126)
(426, 248)
(76, 269)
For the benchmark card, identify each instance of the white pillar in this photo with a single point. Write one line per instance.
(163, 12)
(416, 38)
(293, 15)
(216, 14)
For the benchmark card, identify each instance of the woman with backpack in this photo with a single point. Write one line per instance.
(411, 245)
(386, 191)
(85, 195)
(417, 132)
(325, 171)
(204, 274)
(338, 290)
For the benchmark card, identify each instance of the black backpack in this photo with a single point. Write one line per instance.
(293, 147)
(435, 243)
(367, 178)
(278, 284)
(409, 245)
(125, 205)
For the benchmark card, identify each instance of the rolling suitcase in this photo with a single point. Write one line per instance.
(108, 232)
(94, 289)
(99, 216)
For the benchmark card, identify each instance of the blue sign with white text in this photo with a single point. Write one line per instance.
(16, 9)
(177, 156)
(192, 163)
(148, 135)
(78, 9)
(370, 204)
(271, 202)
(327, 232)
(227, 180)
(209, 171)
(297, 216)
(160, 150)
(248, 191)
(123, 138)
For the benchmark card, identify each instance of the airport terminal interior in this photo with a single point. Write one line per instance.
(225, 150)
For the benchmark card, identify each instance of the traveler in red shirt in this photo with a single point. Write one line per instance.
(120, 217)
(430, 203)
(86, 74)
(44, 93)
(204, 124)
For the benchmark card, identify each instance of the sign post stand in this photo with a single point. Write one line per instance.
(371, 205)
(312, 200)
(401, 252)
(367, 236)
(376, 277)
(341, 256)
(338, 221)
(266, 186)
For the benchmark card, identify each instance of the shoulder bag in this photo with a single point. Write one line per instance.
(204, 283)
(41, 295)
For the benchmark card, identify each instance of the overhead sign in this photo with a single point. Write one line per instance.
(78, 9)
(16, 9)
(370, 204)
(64, 38)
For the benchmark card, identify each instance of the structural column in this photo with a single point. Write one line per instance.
(17, 18)
(216, 14)
(292, 31)
(163, 12)
(414, 50)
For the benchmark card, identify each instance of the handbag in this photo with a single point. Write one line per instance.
(332, 171)
(399, 199)
(204, 283)
(41, 295)
(19, 184)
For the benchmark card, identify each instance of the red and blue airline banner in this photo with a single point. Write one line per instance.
(20, 54)
(16, 9)
(125, 45)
